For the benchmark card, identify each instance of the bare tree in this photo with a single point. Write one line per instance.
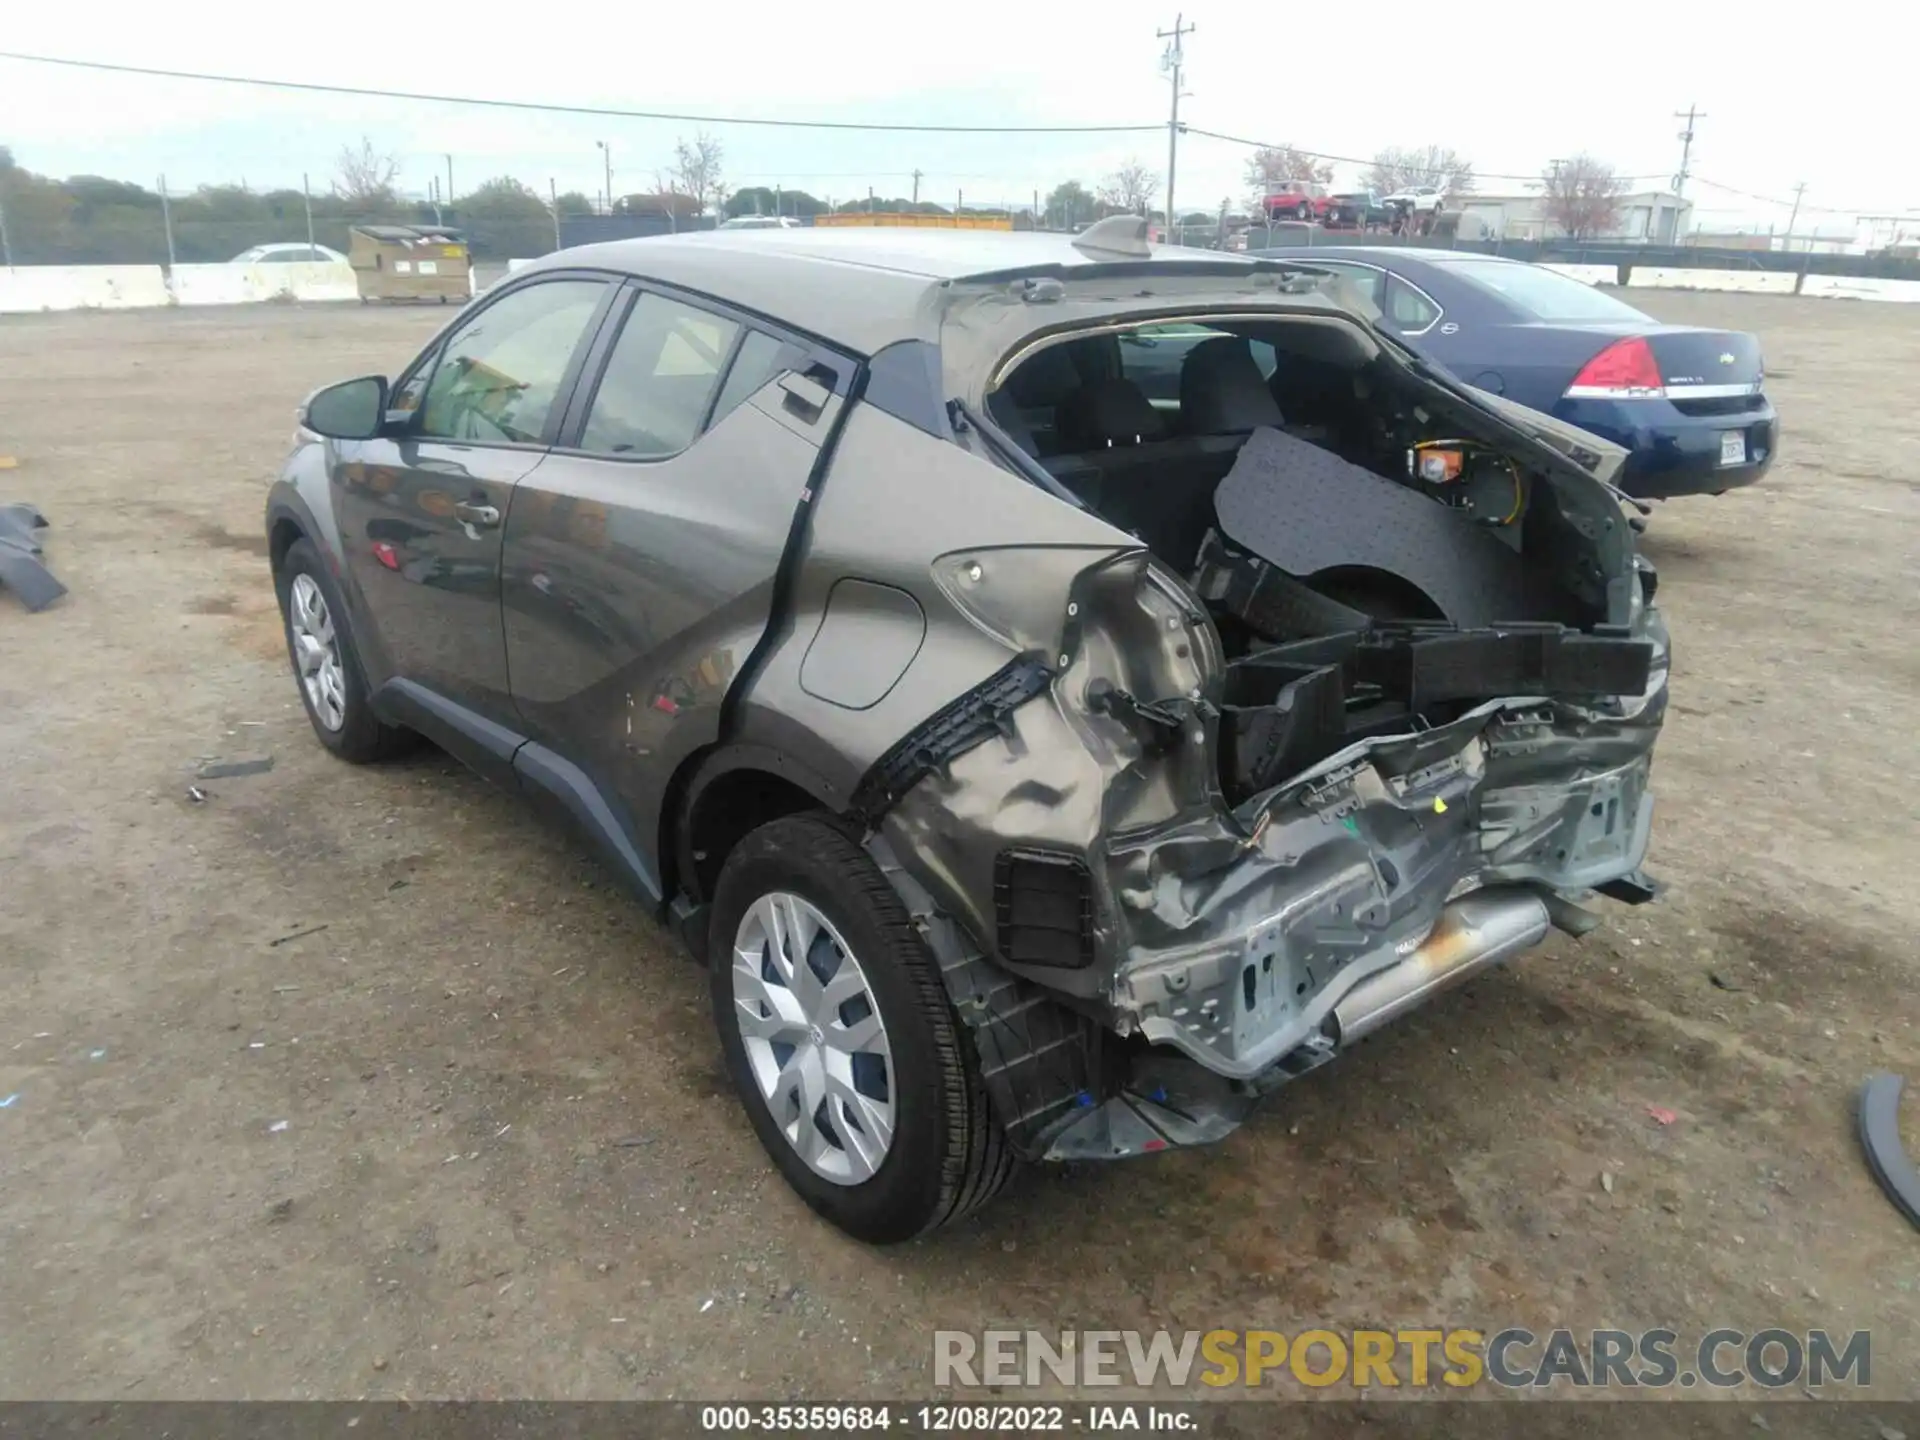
(696, 168)
(365, 175)
(1131, 188)
(1272, 166)
(1396, 169)
(1583, 196)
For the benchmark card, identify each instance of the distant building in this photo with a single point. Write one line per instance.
(1655, 217)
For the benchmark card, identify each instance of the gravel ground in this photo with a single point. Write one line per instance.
(362, 1083)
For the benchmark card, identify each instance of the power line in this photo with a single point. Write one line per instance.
(316, 88)
(1786, 204)
(1186, 129)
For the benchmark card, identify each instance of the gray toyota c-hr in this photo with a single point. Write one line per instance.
(1062, 688)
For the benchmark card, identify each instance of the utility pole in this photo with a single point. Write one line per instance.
(553, 203)
(916, 187)
(1786, 242)
(1171, 60)
(6, 245)
(306, 196)
(449, 160)
(166, 219)
(1686, 145)
(606, 151)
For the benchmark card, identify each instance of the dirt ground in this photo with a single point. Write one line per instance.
(360, 1082)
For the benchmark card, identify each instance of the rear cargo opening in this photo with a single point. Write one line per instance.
(1377, 556)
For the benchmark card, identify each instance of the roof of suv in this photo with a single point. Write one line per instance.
(858, 287)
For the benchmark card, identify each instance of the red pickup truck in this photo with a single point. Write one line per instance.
(1298, 200)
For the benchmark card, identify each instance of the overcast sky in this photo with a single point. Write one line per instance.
(1509, 85)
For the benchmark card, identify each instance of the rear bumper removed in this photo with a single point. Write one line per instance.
(1230, 955)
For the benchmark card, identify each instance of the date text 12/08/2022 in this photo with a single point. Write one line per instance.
(963, 1419)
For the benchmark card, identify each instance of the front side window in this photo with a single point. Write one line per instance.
(500, 374)
(659, 378)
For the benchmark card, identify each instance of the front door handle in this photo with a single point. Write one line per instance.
(469, 513)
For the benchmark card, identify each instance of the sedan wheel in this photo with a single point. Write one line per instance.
(316, 651)
(814, 1038)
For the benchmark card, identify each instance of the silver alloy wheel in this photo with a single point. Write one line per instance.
(813, 1037)
(316, 650)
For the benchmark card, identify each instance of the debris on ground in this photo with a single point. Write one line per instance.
(21, 568)
(229, 769)
(196, 795)
(1606, 1181)
(1661, 1115)
(280, 1211)
(297, 935)
(8, 1103)
(1879, 1118)
(1721, 983)
(277, 1126)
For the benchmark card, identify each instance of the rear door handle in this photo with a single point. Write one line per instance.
(482, 516)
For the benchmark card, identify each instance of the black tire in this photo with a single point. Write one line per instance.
(949, 1155)
(1303, 211)
(362, 737)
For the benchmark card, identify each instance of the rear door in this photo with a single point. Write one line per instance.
(420, 509)
(640, 558)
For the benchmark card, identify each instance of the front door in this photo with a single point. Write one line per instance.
(421, 509)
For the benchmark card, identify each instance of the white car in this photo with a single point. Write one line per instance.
(1420, 199)
(290, 253)
(760, 222)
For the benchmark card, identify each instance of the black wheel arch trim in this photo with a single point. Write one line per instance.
(1879, 1116)
(715, 763)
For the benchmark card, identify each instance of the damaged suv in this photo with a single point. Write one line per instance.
(1064, 688)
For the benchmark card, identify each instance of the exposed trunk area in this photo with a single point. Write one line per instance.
(1376, 558)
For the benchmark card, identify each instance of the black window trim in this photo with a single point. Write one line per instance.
(816, 354)
(429, 360)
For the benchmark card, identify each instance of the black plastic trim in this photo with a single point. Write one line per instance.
(904, 380)
(471, 738)
(603, 818)
(950, 732)
(1879, 1116)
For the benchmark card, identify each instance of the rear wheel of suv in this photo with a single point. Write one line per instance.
(838, 1034)
(333, 687)
(1304, 210)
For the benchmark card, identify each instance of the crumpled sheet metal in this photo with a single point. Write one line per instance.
(21, 569)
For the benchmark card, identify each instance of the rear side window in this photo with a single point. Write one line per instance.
(1408, 311)
(663, 370)
(1364, 278)
(501, 372)
(761, 358)
(1543, 294)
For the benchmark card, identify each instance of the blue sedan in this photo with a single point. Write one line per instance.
(1687, 403)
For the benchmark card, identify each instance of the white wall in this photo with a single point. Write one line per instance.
(1752, 282)
(26, 288)
(1847, 287)
(249, 284)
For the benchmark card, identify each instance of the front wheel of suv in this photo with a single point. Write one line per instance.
(838, 1034)
(333, 687)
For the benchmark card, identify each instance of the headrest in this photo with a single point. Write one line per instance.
(1044, 378)
(1108, 412)
(1222, 391)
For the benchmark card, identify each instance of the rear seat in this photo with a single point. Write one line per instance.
(1121, 461)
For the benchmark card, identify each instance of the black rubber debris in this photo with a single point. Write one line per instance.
(1880, 1136)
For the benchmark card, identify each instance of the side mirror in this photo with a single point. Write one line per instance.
(351, 410)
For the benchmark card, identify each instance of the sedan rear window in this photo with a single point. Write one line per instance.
(1543, 294)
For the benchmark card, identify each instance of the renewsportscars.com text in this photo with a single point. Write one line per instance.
(1511, 1358)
